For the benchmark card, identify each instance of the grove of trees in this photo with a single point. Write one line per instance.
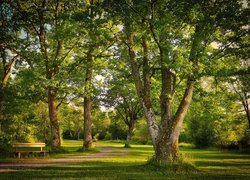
(162, 71)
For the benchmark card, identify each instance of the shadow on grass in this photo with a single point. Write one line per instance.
(222, 163)
(109, 170)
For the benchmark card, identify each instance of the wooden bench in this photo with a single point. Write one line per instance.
(29, 147)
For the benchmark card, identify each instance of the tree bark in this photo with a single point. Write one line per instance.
(130, 131)
(51, 70)
(142, 92)
(129, 135)
(7, 71)
(87, 123)
(53, 115)
(167, 140)
(88, 104)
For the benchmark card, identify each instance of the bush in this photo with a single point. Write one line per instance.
(108, 136)
(117, 131)
(202, 132)
(5, 146)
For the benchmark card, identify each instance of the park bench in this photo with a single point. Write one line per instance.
(29, 147)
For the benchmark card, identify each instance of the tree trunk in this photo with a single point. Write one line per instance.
(55, 133)
(45, 131)
(6, 74)
(87, 123)
(130, 133)
(142, 91)
(167, 140)
(88, 104)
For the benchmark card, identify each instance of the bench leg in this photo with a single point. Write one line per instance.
(19, 155)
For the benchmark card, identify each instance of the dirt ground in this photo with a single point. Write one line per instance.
(105, 152)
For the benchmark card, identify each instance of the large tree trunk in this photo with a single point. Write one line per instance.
(88, 104)
(167, 140)
(53, 116)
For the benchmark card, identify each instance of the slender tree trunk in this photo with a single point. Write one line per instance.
(87, 123)
(88, 104)
(142, 91)
(6, 74)
(245, 104)
(45, 131)
(130, 133)
(53, 115)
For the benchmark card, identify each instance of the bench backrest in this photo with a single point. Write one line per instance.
(28, 145)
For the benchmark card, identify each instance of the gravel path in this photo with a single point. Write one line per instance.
(105, 152)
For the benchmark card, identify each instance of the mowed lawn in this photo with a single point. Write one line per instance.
(210, 164)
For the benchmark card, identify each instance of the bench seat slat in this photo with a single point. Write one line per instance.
(30, 151)
(29, 145)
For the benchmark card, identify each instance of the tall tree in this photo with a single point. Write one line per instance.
(96, 40)
(121, 96)
(183, 33)
(53, 39)
(9, 52)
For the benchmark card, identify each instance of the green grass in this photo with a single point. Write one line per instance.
(211, 164)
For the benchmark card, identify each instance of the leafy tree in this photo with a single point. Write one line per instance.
(183, 33)
(98, 37)
(121, 96)
(240, 84)
(53, 39)
(9, 42)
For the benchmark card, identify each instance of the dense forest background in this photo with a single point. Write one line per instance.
(68, 70)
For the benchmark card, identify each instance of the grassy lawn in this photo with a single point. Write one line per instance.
(211, 164)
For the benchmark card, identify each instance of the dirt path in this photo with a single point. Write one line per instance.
(105, 152)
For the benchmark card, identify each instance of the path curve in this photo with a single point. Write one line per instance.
(106, 152)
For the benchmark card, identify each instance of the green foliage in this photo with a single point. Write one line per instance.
(141, 134)
(221, 51)
(118, 131)
(71, 121)
(101, 124)
(108, 136)
(213, 119)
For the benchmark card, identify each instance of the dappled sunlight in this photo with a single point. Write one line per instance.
(118, 162)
